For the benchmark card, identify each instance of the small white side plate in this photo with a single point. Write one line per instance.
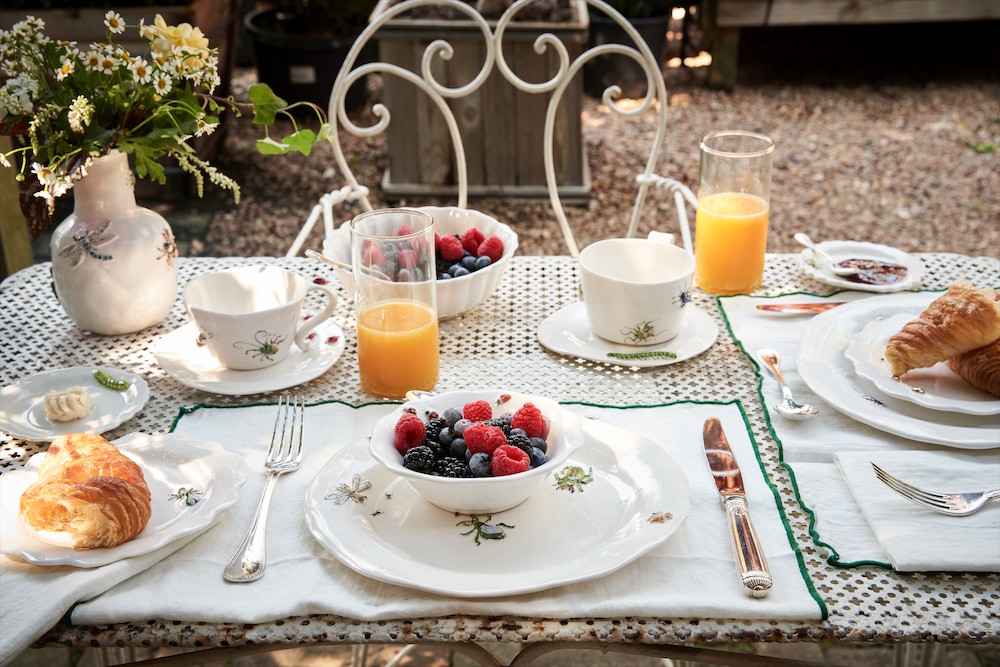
(179, 355)
(937, 387)
(555, 537)
(567, 331)
(169, 462)
(841, 250)
(22, 407)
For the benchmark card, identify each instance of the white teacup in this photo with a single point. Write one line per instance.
(249, 317)
(636, 290)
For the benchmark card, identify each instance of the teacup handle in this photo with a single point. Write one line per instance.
(302, 333)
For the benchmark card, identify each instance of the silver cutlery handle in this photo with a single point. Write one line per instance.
(249, 560)
(770, 360)
(749, 556)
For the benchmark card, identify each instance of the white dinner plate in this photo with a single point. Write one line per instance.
(841, 250)
(182, 359)
(22, 404)
(567, 331)
(937, 387)
(169, 462)
(824, 367)
(555, 537)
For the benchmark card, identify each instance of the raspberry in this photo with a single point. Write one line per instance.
(508, 460)
(491, 247)
(450, 248)
(410, 432)
(478, 411)
(529, 418)
(407, 259)
(373, 255)
(471, 239)
(404, 230)
(482, 438)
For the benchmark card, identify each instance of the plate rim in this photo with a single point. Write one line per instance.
(824, 326)
(34, 435)
(911, 261)
(227, 468)
(355, 452)
(568, 310)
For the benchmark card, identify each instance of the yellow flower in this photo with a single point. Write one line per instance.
(172, 40)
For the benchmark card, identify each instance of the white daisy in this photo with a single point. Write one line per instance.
(141, 71)
(162, 85)
(114, 22)
(107, 64)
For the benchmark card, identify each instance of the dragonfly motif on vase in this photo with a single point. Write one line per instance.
(87, 244)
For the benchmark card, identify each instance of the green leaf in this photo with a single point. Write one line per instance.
(265, 104)
(984, 148)
(269, 146)
(302, 141)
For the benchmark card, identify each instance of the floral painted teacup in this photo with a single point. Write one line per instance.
(249, 317)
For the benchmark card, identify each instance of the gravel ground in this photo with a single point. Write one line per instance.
(904, 155)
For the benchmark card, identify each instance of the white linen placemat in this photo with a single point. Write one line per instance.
(809, 447)
(692, 575)
(918, 539)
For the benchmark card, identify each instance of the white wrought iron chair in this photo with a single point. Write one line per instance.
(440, 94)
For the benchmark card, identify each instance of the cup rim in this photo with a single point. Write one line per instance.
(769, 144)
(366, 214)
(299, 292)
(629, 241)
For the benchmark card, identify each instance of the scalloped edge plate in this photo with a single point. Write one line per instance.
(841, 250)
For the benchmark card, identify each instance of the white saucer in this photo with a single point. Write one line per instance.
(568, 332)
(841, 250)
(22, 408)
(555, 537)
(937, 387)
(194, 366)
(169, 462)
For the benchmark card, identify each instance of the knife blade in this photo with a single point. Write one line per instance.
(749, 556)
(800, 307)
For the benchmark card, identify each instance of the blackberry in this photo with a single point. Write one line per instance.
(433, 427)
(501, 424)
(521, 442)
(419, 459)
(438, 450)
(451, 467)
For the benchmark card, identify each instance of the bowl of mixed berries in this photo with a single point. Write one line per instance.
(476, 452)
(472, 250)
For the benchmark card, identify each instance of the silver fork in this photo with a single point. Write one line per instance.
(956, 504)
(284, 455)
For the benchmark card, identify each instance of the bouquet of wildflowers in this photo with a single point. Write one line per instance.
(76, 104)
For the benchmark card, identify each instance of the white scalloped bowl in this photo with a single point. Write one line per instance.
(454, 296)
(480, 495)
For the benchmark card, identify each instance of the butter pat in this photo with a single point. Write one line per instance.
(66, 406)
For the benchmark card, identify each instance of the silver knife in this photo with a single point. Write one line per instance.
(749, 556)
(800, 307)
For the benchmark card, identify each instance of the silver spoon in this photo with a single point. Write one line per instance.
(834, 264)
(788, 408)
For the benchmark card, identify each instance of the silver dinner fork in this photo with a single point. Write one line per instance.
(283, 455)
(956, 504)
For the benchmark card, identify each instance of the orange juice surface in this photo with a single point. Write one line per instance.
(397, 348)
(730, 240)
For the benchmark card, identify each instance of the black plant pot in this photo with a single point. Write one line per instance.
(619, 70)
(300, 68)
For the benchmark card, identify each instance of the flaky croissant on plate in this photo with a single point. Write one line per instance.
(960, 320)
(88, 489)
(980, 367)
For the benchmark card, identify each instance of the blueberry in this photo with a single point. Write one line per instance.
(481, 465)
(469, 263)
(482, 262)
(458, 448)
(507, 417)
(468, 454)
(405, 276)
(460, 426)
(537, 457)
(454, 269)
(459, 272)
(444, 276)
(446, 436)
(540, 444)
(519, 431)
(451, 415)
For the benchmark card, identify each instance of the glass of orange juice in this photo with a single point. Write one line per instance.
(734, 200)
(392, 255)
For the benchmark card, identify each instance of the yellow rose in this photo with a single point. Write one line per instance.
(168, 41)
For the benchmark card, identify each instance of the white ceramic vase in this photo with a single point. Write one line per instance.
(114, 263)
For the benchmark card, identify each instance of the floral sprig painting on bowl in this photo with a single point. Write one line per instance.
(74, 103)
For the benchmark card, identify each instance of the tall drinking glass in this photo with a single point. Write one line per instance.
(734, 200)
(392, 254)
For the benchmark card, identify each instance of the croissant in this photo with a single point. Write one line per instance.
(960, 320)
(980, 367)
(89, 489)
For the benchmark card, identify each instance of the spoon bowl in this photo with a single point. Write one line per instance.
(788, 408)
(834, 265)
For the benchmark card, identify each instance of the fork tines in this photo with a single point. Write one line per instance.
(291, 413)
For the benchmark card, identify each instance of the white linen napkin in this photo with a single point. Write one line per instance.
(918, 539)
(809, 447)
(692, 574)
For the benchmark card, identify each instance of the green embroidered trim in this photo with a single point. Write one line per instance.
(658, 354)
(186, 410)
(834, 559)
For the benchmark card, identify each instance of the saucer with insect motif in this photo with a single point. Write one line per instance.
(182, 359)
(567, 331)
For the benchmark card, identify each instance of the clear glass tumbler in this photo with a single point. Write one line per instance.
(734, 201)
(395, 296)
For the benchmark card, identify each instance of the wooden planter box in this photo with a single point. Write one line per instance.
(502, 128)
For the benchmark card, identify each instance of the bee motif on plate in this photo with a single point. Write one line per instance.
(347, 492)
(87, 244)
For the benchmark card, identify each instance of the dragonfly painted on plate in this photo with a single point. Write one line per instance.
(87, 244)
